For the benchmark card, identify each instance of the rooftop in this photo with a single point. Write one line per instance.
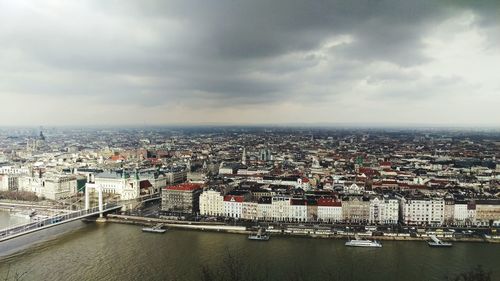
(184, 187)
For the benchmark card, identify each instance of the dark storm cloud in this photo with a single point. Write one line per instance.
(221, 53)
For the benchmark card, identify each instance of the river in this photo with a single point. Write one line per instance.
(6, 219)
(122, 252)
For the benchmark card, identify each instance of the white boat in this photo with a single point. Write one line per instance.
(357, 242)
(37, 218)
(26, 214)
(260, 236)
(438, 243)
(155, 229)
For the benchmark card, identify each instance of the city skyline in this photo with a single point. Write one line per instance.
(250, 63)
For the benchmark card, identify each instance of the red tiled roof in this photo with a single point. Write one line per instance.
(237, 198)
(184, 187)
(329, 202)
(117, 157)
(145, 184)
(298, 202)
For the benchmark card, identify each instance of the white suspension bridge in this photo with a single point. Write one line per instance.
(73, 215)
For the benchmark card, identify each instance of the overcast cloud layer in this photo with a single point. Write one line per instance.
(249, 62)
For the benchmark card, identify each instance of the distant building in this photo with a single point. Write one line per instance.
(182, 198)
(298, 210)
(233, 203)
(353, 189)
(464, 213)
(9, 182)
(422, 211)
(356, 209)
(211, 203)
(249, 211)
(280, 208)
(487, 212)
(123, 184)
(264, 208)
(265, 155)
(52, 186)
(384, 210)
(176, 175)
(329, 210)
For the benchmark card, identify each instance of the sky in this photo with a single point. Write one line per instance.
(249, 62)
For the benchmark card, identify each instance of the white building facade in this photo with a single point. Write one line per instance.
(233, 206)
(211, 203)
(329, 210)
(423, 211)
(384, 210)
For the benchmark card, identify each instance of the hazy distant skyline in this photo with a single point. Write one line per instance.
(249, 62)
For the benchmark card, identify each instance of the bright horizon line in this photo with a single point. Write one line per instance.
(282, 124)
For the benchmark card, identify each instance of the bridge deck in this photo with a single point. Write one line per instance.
(20, 230)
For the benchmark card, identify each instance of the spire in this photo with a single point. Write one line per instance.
(244, 157)
(41, 136)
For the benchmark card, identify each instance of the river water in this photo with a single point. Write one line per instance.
(122, 252)
(7, 220)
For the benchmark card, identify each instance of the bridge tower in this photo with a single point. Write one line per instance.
(98, 188)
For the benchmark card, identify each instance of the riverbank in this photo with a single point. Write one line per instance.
(293, 231)
(116, 251)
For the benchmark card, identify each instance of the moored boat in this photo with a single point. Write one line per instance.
(438, 243)
(357, 242)
(155, 229)
(259, 236)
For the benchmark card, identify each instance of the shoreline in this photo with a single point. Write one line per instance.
(220, 227)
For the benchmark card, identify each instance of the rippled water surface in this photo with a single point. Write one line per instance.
(123, 252)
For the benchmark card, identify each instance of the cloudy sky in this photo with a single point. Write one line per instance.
(249, 62)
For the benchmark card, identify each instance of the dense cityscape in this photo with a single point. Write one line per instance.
(386, 177)
(236, 140)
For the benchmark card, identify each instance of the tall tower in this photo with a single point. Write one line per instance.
(244, 157)
(41, 136)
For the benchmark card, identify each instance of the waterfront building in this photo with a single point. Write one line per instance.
(355, 209)
(329, 210)
(422, 211)
(181, 198)
(312, 210)
(449, 209)
(280, 205)
(487, 212)
(122, 184)
(9, 182)
(50, 186)
(464, 213)
(56, 187)
(233, 204)
(211, 203)
(298, 210)
(249, 210)
(264, 208)
(384, 210)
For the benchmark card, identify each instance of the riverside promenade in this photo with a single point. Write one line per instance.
(290, 230)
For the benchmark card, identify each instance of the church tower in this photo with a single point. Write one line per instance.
(244, 157)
